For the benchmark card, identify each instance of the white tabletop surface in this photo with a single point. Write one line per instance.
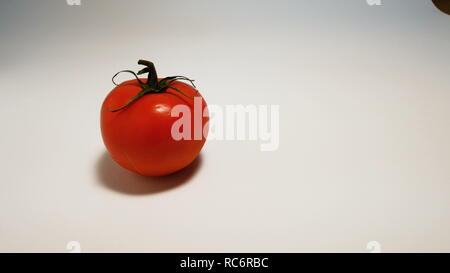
(364, 155)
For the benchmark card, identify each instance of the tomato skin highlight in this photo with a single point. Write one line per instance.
(139, 138)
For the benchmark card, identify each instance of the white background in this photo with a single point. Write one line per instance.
(364, 126)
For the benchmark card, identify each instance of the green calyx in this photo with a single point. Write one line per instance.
(152, 85)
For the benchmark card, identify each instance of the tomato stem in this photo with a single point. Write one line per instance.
(152, 75)
(152, 85)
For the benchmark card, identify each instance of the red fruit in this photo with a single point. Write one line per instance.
(138, 135)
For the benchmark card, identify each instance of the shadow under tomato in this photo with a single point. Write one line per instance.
(114, 177)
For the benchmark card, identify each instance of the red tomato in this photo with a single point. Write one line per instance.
(138, 137)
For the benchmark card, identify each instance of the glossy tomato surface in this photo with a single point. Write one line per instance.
(139, 136)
